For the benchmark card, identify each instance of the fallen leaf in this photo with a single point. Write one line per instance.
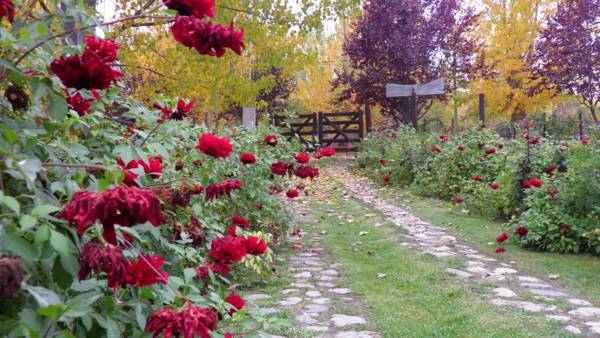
(554, 276)
(363, 233)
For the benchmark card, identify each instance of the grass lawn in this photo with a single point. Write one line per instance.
(579, 274)
(415, 298)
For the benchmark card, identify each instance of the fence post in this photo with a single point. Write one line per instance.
(413, 109)
(360, 125)
(368, 117)
(320, 128)
(482, 108)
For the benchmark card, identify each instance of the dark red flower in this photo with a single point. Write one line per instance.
(222, 188)
(305, 171)
(197, 322)
(197, 163)
(526, 184)
(443, 138)
(476, 178)
(328, 151)
(274, 189)
(109, 259)
(228, 335)
(102, 50)
(165, 322)
(227, 250)
(194, 231)
(247, 158)
(458, 200)
(175, 198)
(146, 271)
(535, 182)
(565, 227)
(241, 221)
(585, 140)
(179, 165)
(386, 178)
(206, 38)
(214, 146)
(460, 148)
(11, 274)
(281, 168)
(550, 169)
(197, 189)
(490, 151)
(270, 140)
(236, 301)
(182, 110)
(521, 231)
(203, 270)
(255, 245)
(232, 231)
(495, 186)
(79, 104)
(75, 72)
(500, 250)
(130, 176)
(197, 8)
(120, 205)
(434, 148)
(302, 158)
(154, 166)
(382, 161)
(502, 237)
(7, 9)
(318, 154)
(292, 193)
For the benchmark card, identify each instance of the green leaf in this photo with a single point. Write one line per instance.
(58, 106)
(189, 274)
(81, 305)
(18, 246)
(42, 29)
(43, 296)
(27, 222)
(12, 203)
(53, 312)
(42, 210)
(9, 134)
(60, 243)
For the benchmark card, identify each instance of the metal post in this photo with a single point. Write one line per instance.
(413, 108)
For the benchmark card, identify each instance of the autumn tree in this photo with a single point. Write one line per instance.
(568, 51)
(509, 28)
(405, 42)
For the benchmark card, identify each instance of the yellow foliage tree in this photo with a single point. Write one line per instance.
(509, 28)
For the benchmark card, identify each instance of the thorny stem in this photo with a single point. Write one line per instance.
(84, 166)
(149, 134)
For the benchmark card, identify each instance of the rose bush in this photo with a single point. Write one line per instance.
(538, 184)
(119, 219)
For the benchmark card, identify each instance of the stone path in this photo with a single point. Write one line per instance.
(508, 286)
(323, 308)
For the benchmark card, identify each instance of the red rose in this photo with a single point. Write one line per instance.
(270, 140)
(476, 178)
(255, 246)
(302, 158)
(96, 258)
(165, 321)
(502, 237)
(214, 146)
(197, 8)
(495, 186)
(227, 250)
(190, 322)
(386, 178)
(535, 182)
(232, 231)
(79, 104)
(206, 38)
(236, 301)
(7, 9)
(382, 161)
(585, 140)
(307, 172)
(500, 250)
(328, 151)
(292, 193)
(11, 276)
(281, 168)
(565, 227)
(526, 184)
(490, 151)
(222, 189)
(103, 50)
(241, 221)
(154, 166)
(181, 111)
(550, 169)
(91, 73)
(146, 271)
(443, 138)
(458, 200)
(247, 158)
(521, 231)
(197, 189)
(460, 148)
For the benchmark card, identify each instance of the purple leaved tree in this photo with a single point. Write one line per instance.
(406, 42)
(568, 51)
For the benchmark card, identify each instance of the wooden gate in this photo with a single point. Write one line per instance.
(304, 127)
(340, 130)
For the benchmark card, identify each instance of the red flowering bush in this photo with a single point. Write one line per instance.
(7, 9)
(207, 38)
